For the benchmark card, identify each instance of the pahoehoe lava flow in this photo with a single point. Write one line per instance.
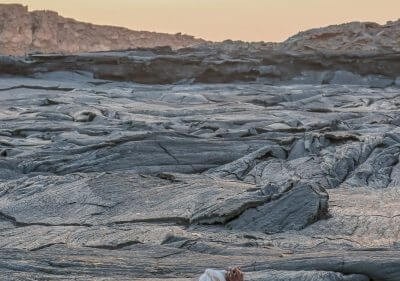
(157, 163)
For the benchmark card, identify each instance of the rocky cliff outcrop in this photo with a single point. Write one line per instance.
(364, 37)
(24, 32)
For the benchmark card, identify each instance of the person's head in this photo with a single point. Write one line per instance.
(234, 274)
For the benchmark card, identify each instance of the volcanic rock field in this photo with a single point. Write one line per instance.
(156, 164)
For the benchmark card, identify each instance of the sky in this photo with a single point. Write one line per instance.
(217, 20)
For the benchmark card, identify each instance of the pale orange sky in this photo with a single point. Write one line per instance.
(248, 20)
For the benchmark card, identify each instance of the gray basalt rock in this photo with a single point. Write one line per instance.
(101, 199)
(397, 82)
(314, 78)
(303, 275)
(84, 116)
(290, 182)
(379, 81)
(282, 214)
(344, 77)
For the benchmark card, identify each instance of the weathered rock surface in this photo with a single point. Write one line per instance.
(292, 174)
(23, 32)
(105, 180)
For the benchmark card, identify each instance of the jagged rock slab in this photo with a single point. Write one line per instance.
(118, 198)
(296, 209)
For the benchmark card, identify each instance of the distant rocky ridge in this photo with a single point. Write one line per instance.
(366, 54)
(23, 32)
(364, 37)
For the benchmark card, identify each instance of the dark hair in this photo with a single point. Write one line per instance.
(234, 274)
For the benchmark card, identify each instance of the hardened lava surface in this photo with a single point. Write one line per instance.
(106, 180)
